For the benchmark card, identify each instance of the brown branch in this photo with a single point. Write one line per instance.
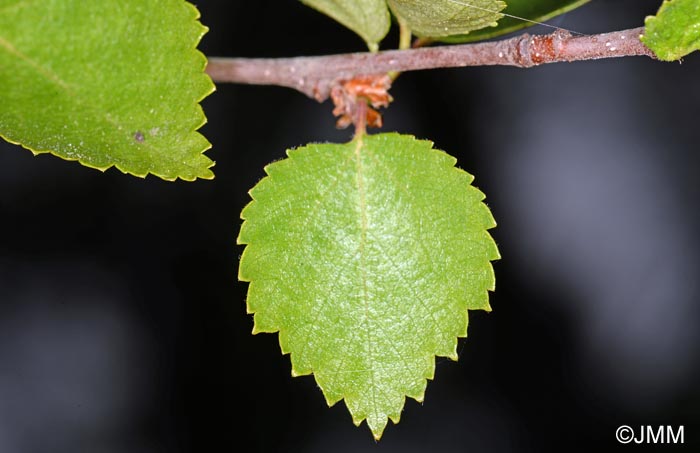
(316, 76)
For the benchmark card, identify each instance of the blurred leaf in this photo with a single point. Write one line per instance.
(106, 83)
(675, 30)
(440, 18)
(365, 257)
(368, 18)
(532, 10)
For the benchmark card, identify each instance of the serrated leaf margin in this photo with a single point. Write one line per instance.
(201, 118)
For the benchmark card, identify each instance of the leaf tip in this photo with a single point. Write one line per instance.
(377, 426)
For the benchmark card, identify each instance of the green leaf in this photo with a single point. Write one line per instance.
(520, 14)
(440, 18)
(106, 83)
(368, 18)
(365, 257)
(675, 30)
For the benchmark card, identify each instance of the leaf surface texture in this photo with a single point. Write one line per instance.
(675, 30)
(368, 18)
(366, 257)
(440, 18)
(106, 83)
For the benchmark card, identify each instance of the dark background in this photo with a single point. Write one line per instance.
(123, 326)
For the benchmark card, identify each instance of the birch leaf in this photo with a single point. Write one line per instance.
(440, 18)
(366, 257)
(106, 83)
(368, 18)
(675, 31)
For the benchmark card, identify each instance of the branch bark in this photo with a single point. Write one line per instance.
(316, 76)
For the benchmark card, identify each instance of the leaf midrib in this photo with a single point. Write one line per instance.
(362, 201)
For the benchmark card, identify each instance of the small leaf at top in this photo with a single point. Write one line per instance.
(106, 83)
(365, 257)
(440, 18)
(520, 14)
(675, 30)
(368, 18)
